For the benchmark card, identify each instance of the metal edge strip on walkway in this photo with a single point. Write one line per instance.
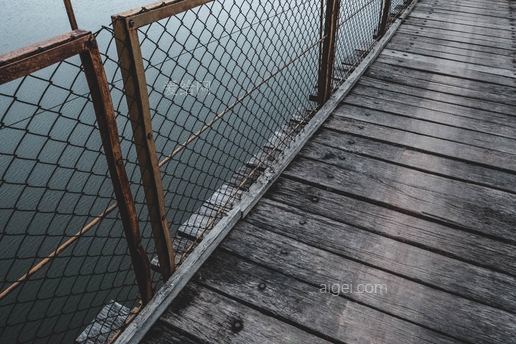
(142, 323)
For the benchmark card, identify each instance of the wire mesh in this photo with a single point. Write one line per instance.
(356, 32)
(55, 183)
(229, 85)
(223, 78)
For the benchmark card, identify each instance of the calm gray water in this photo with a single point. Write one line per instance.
(229, 58)
(28, 21)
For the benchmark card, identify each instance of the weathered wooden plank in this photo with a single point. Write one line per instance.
(397, 107)
(488, 74)
(442, 41)
(416, 97)
(451, 18)
(450, 131)
(216, 318)
(459, 27)
(488, 107)
(458, 317)
(484, 157)
(469, 10)
(475, 208)
(461, 33)
(303, 304)
(474, 3)
(491, 288)
(458, 51)
(453, 54)
(468, 38)
(443, 83)
(164, 333)
(417, 231)
(111, 318)
(439, 8)
(416, 159)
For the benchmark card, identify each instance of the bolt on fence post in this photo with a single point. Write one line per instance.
(327, 59)
(384, 17)
(135, 86)
(106, 121)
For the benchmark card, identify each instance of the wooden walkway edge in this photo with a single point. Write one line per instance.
(395, 219)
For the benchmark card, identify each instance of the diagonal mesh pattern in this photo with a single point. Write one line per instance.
(55, 184)
(358, 22)
(229, 85)
(356, 32)
(224, 80)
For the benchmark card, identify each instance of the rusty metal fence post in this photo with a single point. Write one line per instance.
(384, 18)
(126, 27)
(326, 63)
(28, 60)
(135, 86)
(102, 103)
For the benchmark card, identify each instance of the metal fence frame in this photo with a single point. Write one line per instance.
(25, 61)
(83, 43)
(136, 330)
(125, 27)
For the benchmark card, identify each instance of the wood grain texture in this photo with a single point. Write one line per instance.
(479, 209)
(443, 83)
(431, 126)
(372, 101)
(457, 317)
(415, 97)
(444, 17)
(387, 254)
(216, 318)
(468, 38)
(493, 33)
(441, 42)
(481, 156)
(304, 304)
(439, 95)
(164, 333)
(417, 231)
(407, 156)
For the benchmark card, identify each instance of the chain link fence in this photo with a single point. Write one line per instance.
(208, 95)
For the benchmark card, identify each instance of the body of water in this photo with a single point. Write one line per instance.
(29, 21)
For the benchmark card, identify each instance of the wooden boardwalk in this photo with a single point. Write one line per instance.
(404, 202)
